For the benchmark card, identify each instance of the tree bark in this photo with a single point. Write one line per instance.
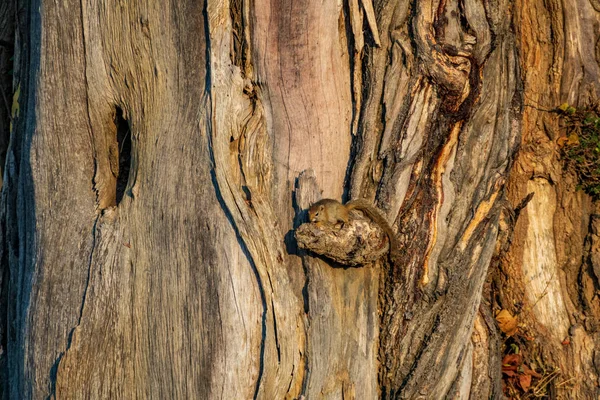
(164, 154)
(548, 276)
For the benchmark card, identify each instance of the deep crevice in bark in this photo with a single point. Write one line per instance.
(7, 49)
(239, 45)
(254, 270)
(124, 155)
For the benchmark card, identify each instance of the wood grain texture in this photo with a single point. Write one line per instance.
(548, 270)
(189, 282)
(302, 62)
(342, 308)
(245, 177)
(123, 301)
(438, 163)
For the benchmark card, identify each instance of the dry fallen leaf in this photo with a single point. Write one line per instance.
(573, 140)
(506, 322)
(510, 364)
(509, 372)
(525, 382)
(561, 141)
(529, 371)
(512, 360)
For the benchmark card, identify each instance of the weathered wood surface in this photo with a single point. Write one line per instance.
(127, 301)
(187, 282)
(549, 275)
(438, 163)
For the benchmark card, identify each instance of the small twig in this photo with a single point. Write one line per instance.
(544, 292)
(539, 389)
(563, 383)
(540, 109)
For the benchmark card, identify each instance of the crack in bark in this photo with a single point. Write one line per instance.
(54, 370)
(275, 332)
(55, 366)
(250, 260)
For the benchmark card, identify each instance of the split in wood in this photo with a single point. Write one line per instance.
(359, 241)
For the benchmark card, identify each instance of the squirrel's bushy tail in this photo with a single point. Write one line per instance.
(376, 216)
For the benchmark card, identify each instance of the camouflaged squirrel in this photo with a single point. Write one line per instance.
(332, 212)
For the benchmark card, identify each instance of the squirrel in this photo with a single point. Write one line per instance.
(332, 212)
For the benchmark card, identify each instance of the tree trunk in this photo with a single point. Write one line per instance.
(549, 274)
(162, 155)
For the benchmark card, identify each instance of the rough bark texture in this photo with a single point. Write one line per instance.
(549, 275)
(163, 154)
(122, 301)
(446, 114)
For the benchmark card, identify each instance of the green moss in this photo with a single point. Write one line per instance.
(580, 146)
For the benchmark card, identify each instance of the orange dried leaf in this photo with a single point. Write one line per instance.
(561, 141)
(510, 364)
(511, 360)
(506, 322)
(573, 140)
(529, 371)
(525, 382)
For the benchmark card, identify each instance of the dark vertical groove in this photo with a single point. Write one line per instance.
(18, 210)
(356, 111)
(226, 209)
(124, 145)
(7, 48)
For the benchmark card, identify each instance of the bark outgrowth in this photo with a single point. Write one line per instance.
(358, 242)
